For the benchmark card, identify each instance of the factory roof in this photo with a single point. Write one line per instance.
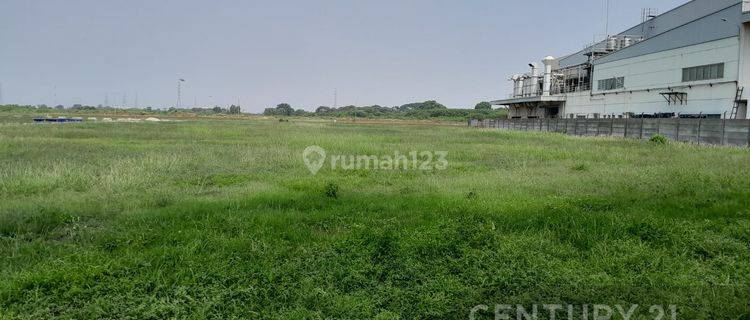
(692, 23)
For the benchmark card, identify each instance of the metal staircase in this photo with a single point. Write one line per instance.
(737, 99)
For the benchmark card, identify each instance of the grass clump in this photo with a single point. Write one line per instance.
(659, 139)
(331, 190)
(580, 167)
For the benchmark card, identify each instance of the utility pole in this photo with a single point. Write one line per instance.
(335, 98)
(179, 92)
(106, 99)
(1, 93)
(606, 22)
(136, 100)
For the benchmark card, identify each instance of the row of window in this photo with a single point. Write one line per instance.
(612, 83)
(699, 73)
(632, 115)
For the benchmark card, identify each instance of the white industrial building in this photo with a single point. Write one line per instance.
(692, 61)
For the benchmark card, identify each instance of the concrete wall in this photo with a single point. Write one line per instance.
(664, 69)
(701, 99)
(708, 131)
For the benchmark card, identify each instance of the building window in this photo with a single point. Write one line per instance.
(611, 84)
(700, 73)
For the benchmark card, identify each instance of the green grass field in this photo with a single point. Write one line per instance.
(223, 220)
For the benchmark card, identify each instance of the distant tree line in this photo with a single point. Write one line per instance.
(233, 109)
(419, 110)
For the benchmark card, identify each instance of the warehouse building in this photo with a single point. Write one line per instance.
(692, 61)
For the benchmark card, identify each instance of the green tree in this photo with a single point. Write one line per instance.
(432, 104)
(427, 105)
(235, 109)
(269, 112)
(284, 109)
(322, 110)
(484, 105)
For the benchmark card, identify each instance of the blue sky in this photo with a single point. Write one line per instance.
(384, 52)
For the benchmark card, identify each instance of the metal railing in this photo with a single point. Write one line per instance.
(556, 88)
(528, 91)
(569, 88)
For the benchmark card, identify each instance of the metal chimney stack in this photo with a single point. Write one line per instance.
(517, 85)
(547, 86)
(533, 85)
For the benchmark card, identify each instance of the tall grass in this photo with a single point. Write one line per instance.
(222, 219)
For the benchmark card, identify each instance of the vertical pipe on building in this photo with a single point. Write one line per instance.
(520, 82)
(533, 86)
(547, 84)
(517, 85)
